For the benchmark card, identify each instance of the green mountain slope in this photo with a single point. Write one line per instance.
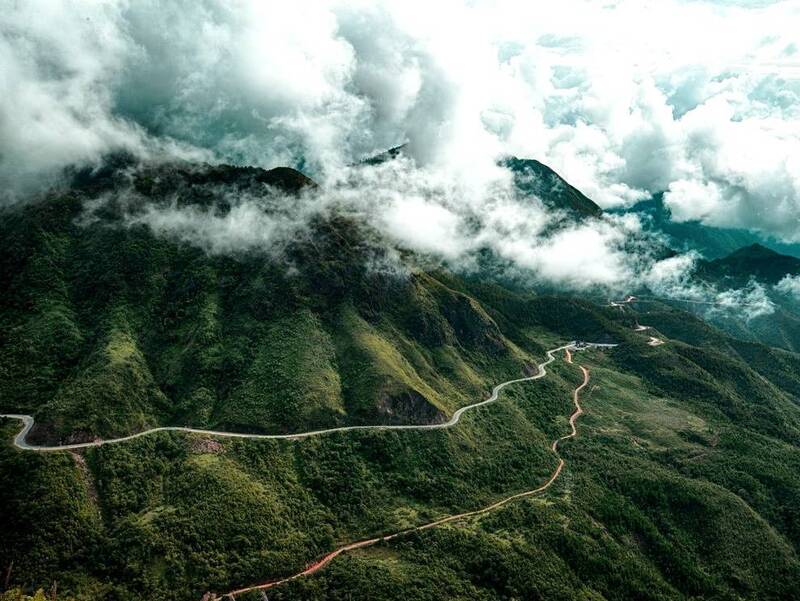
(227, 341)
(754, 261)
(682, 483)
(533, 177)
(711, 242)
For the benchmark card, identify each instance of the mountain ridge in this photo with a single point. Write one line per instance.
(534, 177)
(688, 449)
(752, 261)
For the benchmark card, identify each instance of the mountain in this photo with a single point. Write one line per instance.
(530, 178)
(711, 242)
(754, 261)
(754, 310)
(682, 482)
(121, 172)
(533, 177)
(170, 335)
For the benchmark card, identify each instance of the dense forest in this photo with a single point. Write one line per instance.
(683, 482)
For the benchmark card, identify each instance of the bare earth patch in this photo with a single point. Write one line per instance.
(206, 445)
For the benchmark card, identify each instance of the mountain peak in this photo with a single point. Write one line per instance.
(386, 155)
(753, 261)
(536, 178)
(753, 251)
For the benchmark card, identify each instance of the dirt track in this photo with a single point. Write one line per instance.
(28, 421)
(326, 559)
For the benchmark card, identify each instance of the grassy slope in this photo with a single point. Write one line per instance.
(660, 501)
(675, 488)
(284, 502)
(682, 484)
(293, 381)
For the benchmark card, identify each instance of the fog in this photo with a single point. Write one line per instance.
(699, 100)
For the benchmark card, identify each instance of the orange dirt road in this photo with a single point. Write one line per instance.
(326, 559)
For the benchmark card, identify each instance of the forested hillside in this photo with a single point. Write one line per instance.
(682, 482)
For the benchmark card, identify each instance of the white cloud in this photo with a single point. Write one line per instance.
(693, 200)
(244, 226)
(596, 90)
(437, 213)
(439, 217)
(672, 278)
(742, 168)
(426, 227)
(751, 301)
(789, 285)
(578, 257)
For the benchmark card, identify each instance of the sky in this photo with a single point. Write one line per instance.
(697, 100)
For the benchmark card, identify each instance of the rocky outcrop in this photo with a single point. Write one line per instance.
(408, 407)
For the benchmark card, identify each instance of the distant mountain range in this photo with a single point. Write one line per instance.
(711, 242)
(753, 261)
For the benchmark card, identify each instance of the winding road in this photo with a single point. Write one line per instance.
(567, 348)
(692, 301)
(318, 564)
(653, 341)
(28, 421)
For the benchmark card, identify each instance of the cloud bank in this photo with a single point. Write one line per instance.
(790, 286)
(597, 90)
(700, 100)
(444, 221)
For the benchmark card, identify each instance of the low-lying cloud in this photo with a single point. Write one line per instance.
(245, 226)
(673, 279)
(790, 286)
(596, 90)
(442, 220)
(750, 302)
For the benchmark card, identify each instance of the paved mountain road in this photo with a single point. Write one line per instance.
(568, 348)
(652, 340)
(661, 299)
(28, 421)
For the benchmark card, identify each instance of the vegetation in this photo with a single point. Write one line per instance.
(683, 483)
(169, 335)
(754, 261)
(537, 179)
(711, 242)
